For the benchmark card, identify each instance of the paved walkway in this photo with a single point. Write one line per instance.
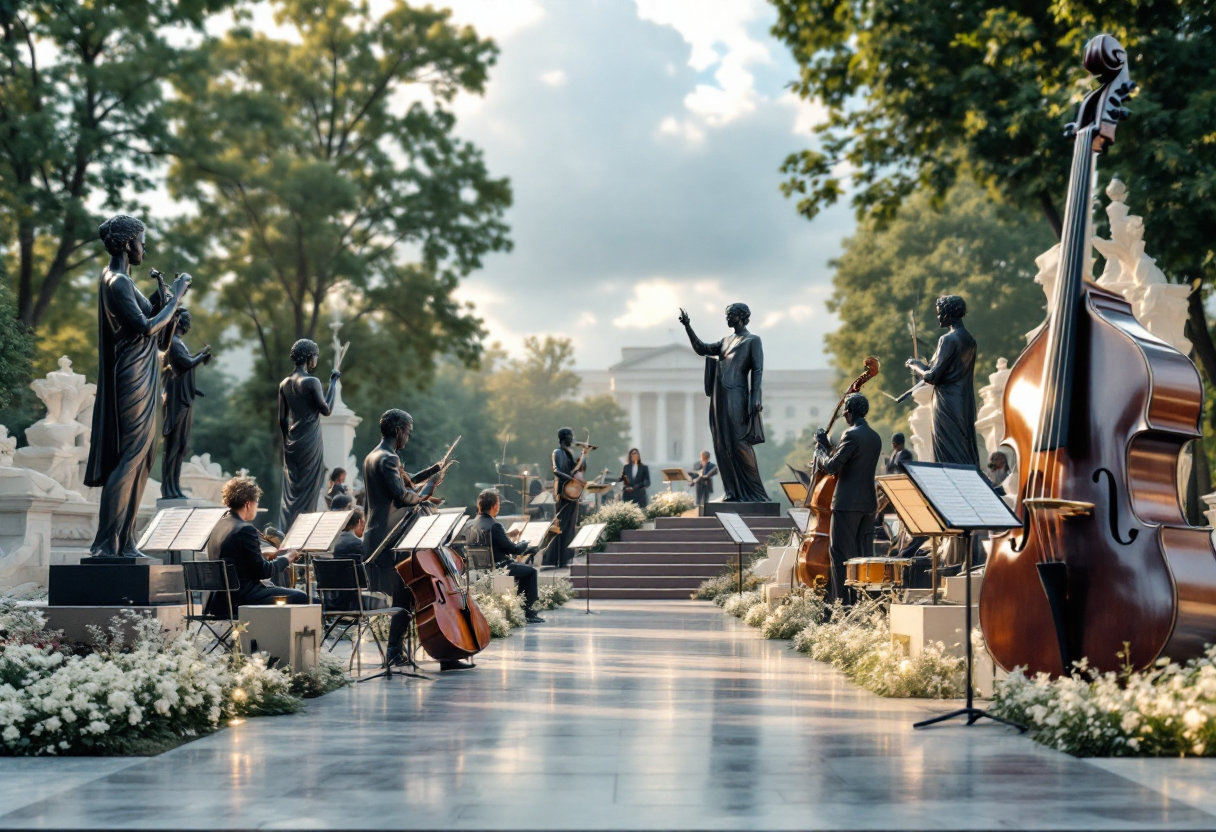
(642, 716)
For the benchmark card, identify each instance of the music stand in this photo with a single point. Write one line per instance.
(312, 533)
(956, 500)
(177, 530)
(671, 475)
(588, 538)
(739, 534)
(598, 490)
(795, 492)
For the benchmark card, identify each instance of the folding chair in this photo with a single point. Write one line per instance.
(347, 576)
(219, 578)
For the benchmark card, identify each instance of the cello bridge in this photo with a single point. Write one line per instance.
(1065, 508)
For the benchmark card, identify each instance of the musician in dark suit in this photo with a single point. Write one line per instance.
(486, 530)
(556, 547)
(899, 455)
(389, 490)
(235, 540)
(636, 477)
(703, 474)
(337, 485)
(853, 462)
(350, 545)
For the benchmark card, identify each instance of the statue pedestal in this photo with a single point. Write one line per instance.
(109, 584)
(742, 509)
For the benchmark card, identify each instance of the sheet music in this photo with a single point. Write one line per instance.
(195, 532)
(534, 532)
(517, 526)
(438, 533)
(962, 496)
(587, 536)
(736, 528)
(328, 526)
(297, 535)
(414, 536)
(164, 528)
(801, 518)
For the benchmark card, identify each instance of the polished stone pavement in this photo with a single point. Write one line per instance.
(646, 715)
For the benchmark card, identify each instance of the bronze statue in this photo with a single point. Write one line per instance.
(302, 403)
(131, 329)
(734, 368)
(555, 546)
(179, 393)
(952, 374)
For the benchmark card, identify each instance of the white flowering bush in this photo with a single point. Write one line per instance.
(858, 642)
(617, 516)
(328, 675)
(553, 594)
(1168, 710)
(719, 589)
(796, 612)
(503, 611)
(738, 605)
(670, 504)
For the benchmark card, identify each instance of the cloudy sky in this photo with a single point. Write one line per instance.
(642, 138)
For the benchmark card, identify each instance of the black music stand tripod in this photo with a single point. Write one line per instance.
(949, 499)
(587, 539)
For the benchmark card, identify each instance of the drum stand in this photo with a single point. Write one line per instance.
(972, 713)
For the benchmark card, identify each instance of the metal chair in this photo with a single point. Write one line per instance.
(219, 578)
(347, 576)
(479, 554)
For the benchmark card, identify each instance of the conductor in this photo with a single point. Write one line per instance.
(853, 463)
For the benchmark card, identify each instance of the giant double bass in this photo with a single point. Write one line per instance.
(1097, 410)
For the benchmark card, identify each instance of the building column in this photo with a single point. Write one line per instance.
(635, 418)
(661, 434)
(692, 452)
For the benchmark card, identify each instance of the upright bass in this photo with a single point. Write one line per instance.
(814, 564)
(1097, 411)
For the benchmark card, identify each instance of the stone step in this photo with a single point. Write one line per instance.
(665, 536)
(654, 556)
(635, 594)
(632, 546)
(601, 569)
(753, 523)
(687, 583)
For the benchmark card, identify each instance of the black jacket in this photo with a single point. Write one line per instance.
(853, 462)
(896, 464)
(237, 542)
(640, 483)
(348, 545)
(386, 491)
(502, 548)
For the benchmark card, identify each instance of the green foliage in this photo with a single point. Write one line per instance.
(328, 675)
(532, 397)
(313, 175)
(797, 611)
(972, 248)
(16, 351)
(83, 100)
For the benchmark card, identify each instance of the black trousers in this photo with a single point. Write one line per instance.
(525, 582)
(852, 536)
(400, 621)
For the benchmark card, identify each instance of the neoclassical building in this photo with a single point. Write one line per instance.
(662, 390)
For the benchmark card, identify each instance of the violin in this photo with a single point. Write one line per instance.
(572, 489)
(450, 624)
(814, 564)
(1097, 411)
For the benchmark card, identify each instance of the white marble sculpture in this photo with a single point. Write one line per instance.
(203, 479)
(921, 424)
(58, 443)
(338, 428)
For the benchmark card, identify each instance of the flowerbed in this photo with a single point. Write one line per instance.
(141, 698)
(504, 611)
(617, 516)
(670, 504)
(1168, 710)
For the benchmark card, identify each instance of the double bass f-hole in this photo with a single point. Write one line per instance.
(1113, 509)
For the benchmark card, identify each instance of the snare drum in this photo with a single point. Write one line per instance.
(875, 574)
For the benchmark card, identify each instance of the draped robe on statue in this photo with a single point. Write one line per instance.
(303, 451)
(736, 360)
(952, 374)
(124, 414)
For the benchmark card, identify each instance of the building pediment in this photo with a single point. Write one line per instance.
(669, 357)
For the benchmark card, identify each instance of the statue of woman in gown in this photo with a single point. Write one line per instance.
(302, 403)
(733, 373)
(131, 329)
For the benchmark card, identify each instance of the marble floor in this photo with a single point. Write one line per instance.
(645, 715)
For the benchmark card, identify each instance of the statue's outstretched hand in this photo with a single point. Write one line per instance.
(684, 319)
(180, 285)
(335, 375)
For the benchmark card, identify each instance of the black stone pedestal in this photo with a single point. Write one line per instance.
(109, 584)
(741, 509)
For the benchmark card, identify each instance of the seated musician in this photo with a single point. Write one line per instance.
(854, 503)
(504, 550)
(350, 545)
(342, 502)
(235, 540)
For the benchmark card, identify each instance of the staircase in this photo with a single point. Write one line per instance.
(669, 561)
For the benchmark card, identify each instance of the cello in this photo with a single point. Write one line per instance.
(450, 624)
(1097, 410)
(814, 564)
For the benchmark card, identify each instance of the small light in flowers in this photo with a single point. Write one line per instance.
(238, 694)
(235, 722)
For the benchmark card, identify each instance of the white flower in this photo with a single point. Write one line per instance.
(10, 734)
(1194, 719)
(98, 727)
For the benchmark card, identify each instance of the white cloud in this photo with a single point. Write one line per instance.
(656, 302)
(807, 114)
(553, 78)
(797, 314)
(498, 19)
(718, 35)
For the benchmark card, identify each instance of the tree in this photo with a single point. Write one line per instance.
(314, 177)
(532, 397)
(920, 92)
(80, 111)
(971, 247)
(16, 350)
